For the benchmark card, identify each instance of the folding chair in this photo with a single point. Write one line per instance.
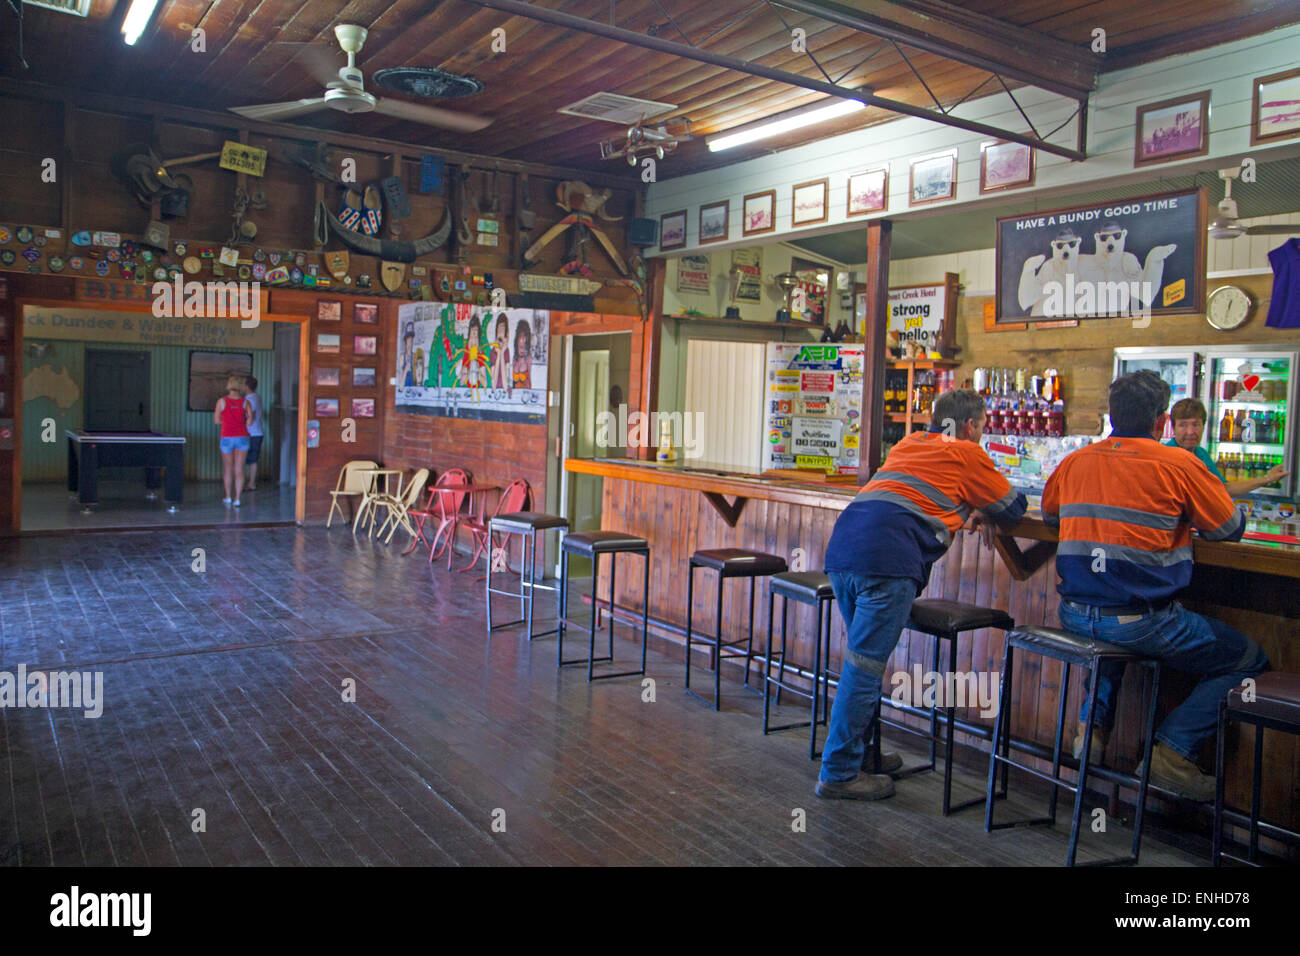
(445, 507)
(351, 484)
(398, 506)
(517, 497)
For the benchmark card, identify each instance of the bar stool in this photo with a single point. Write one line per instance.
(805, 587)
(729, 563)
(1072, 650)
(942, 620)
(1277, 707)
(592, 544)
(528, 524)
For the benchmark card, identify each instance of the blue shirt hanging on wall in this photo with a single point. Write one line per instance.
(1284, 309)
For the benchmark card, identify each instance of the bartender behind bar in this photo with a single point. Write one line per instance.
(1189, 425)
(1125, 507)
(879, 559)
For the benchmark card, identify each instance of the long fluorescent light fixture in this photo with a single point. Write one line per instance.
(777, 127)
(137, 18)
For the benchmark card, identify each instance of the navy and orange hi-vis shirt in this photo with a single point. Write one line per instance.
(1125, 507)
(903, 519)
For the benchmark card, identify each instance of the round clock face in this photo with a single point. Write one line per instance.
(1228, 308)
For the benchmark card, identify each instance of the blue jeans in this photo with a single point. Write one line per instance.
(874, 610)
(1201, 646)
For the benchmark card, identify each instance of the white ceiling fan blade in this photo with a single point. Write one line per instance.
(1276, 229)
(280, 111)
(321, 61)
(431, 115)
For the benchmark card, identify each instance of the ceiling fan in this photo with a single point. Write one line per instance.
(347, 94)
(640, 138)
(1225, 224)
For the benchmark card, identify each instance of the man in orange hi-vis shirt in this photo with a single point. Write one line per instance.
(879, 559)
(1125, 507)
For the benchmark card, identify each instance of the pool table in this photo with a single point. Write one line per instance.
(152, 451)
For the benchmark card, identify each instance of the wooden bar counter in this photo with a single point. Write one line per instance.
(691, 505)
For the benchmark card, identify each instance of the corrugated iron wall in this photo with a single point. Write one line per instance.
(64, 361)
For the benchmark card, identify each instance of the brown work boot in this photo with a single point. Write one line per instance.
(889, 763)
(1100, 738)
(1172, 771)
(865, 786)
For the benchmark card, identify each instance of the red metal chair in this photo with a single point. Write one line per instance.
(444, 507)
(518, 496)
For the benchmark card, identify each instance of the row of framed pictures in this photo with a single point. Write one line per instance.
(329, 408)
(931, 178)
(331, 310)
(361, 344)
(362, 377)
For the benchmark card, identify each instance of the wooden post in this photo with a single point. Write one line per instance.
(651, 348)
(874, 351)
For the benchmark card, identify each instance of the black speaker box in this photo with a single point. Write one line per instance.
(643, 232)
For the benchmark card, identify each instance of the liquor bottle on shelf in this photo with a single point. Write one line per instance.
(1226, 426)
(1247, 427)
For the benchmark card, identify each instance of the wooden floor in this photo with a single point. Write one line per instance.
(224, 693)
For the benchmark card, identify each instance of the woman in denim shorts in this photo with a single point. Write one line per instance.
(233, 414)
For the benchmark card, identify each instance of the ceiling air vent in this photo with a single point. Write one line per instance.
(78, 8)
(428, 82)
(624, 110)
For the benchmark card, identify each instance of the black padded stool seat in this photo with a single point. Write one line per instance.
(729, 563)
(529, 524)
(805, 587)
(1072, 650)
(937, 616)
(588, 543)
(594, 544)
(942, 620)
(739, 563)
(1276, 707)
(527, 521)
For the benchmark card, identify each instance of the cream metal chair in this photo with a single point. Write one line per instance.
(398, 506)
(352, 483)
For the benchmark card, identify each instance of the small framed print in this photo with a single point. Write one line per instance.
(327, 343)
(933, 178)
(809, 203)
(1005, 166)
(327, 408)
(325, 377)
(366, 313)
(672, 230)
(363, 408)
(1173, 129)
(868, 191)
(1275, 113)
(713, 221)
(759, 213)
(363, 377)
(329, 310)
(365, 345)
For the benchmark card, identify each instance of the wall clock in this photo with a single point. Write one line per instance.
(1228, 308)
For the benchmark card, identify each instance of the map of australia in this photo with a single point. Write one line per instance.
(45, 382)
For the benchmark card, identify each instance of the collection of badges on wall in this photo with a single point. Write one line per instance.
(106, 254)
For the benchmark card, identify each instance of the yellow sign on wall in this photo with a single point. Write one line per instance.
(240, 158)
(92, 325)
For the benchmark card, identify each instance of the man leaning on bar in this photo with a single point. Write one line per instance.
(1125, 507)
(879, 558)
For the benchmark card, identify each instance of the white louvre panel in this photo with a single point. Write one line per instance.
(724, 383)
(626, 110)
(79, 8)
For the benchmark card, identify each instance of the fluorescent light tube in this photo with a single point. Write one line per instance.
(137, 18)
(777, 127)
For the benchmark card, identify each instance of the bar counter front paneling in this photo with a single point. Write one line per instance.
(688, 506)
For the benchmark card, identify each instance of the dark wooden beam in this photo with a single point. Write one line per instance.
(728, 510)
(873, 359)
(1280, 14)
(652, 343)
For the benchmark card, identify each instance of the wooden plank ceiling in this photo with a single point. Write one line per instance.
(256, 53)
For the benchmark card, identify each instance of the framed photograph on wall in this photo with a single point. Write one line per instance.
(713, 221)
(868, 191)
(933, 178)
(363, 408)
(759, 213)
(363, 377)
(367, 313)
(329, 310)
(1005, 166)
(365, 345)
(1142, 257)
(810, 203)
(1173, 129)
(672, 230)
(327, 408)
(325, 376)
(1275, 113)
(327, 343)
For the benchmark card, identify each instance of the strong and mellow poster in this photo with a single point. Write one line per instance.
(813, 406)
(464, 361)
